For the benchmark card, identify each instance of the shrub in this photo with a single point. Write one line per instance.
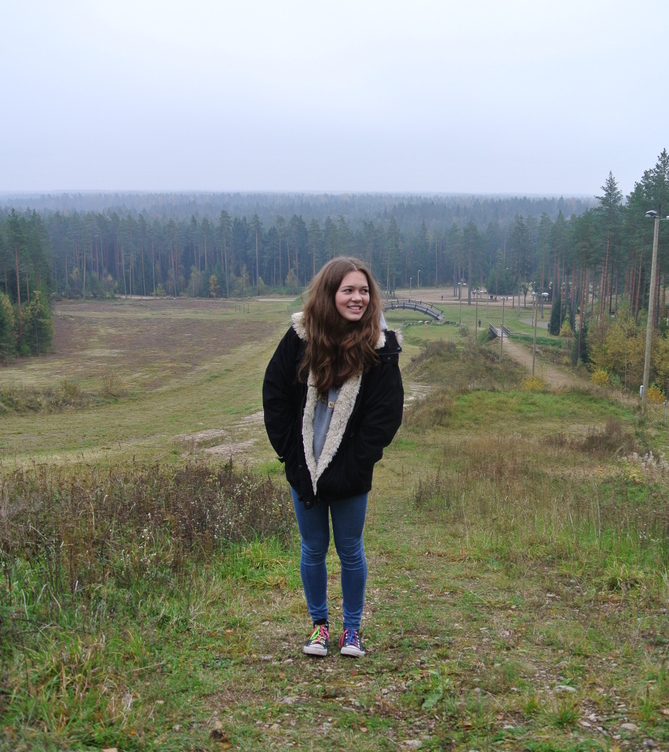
(70, 389)
(7, 336)
(83, 527)
(431, 349)
(566, 331)
(49, 400)
(600, 377)
(433, 411)
(655, 394)
(611, 439)
(619, 349)
(533, 383)
(112, 385)
(37, 330)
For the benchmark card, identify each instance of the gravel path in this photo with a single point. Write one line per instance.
(552, 375)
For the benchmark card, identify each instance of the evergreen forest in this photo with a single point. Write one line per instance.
(595, 252)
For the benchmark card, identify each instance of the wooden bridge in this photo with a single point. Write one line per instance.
(494, 330)
(414, 305)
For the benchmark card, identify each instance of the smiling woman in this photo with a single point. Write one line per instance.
(352, 297)
(333, 401)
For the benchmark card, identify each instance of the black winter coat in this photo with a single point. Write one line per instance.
(367, 414)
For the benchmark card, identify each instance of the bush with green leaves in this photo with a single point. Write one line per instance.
(7, 334)
(37, 328)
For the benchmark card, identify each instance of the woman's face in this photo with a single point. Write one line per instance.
(352, 297)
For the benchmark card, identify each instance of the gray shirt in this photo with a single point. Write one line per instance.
(322, 418)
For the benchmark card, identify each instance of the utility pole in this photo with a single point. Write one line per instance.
(18, 288)
(501, 331)
(651, 306)
(476, 338)
(257, 277)
(460, 324)
(534, 343)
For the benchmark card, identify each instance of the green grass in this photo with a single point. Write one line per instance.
(517, 551)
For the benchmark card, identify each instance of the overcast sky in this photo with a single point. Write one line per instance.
(394, 96)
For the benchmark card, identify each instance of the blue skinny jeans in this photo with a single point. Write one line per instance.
(348, 520)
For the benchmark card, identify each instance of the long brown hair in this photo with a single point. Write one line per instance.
(336, 348)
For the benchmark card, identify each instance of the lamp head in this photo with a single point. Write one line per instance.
(652, 214)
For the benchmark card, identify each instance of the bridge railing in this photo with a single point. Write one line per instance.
(414, 305)
(494, 330)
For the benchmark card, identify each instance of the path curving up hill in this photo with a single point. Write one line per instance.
(552, 375)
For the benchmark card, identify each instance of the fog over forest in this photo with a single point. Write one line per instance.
(410, 210)
(217, 245)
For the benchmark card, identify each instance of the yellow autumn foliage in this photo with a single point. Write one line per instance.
(600, 377)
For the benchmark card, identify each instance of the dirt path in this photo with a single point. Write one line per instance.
(553, 376)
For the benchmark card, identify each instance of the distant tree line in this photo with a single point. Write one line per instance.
(94, 254)
(592, 254)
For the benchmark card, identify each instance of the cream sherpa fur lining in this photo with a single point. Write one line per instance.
(340, 414)
(338, 422)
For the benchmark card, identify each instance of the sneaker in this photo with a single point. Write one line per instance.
(350, 643)
(317, 644)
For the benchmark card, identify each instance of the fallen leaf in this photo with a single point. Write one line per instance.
(218, 735)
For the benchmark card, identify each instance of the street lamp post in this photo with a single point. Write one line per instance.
(419, 278)
(651, 307)
(460, 286)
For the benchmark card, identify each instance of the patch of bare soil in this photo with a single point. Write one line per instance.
(231, 449)
(415, 392)
(150, 340)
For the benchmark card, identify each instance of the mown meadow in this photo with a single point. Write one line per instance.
(150, 598)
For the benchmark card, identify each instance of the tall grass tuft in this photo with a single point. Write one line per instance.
(494, 490)
(76, 528)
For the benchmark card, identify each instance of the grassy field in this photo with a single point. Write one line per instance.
(517, 542)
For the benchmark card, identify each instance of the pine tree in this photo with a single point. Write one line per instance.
(557, 316)
(37, 328)
(7, 333)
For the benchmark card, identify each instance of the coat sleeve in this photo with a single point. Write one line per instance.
(382, 417)
(281, 396)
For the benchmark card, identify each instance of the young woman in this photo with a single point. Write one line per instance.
(333, 400)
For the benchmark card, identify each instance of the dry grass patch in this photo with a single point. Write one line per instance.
(78, 527)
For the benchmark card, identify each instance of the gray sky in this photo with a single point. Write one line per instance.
(395, 95)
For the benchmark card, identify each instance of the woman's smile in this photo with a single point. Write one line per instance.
(352, 297)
